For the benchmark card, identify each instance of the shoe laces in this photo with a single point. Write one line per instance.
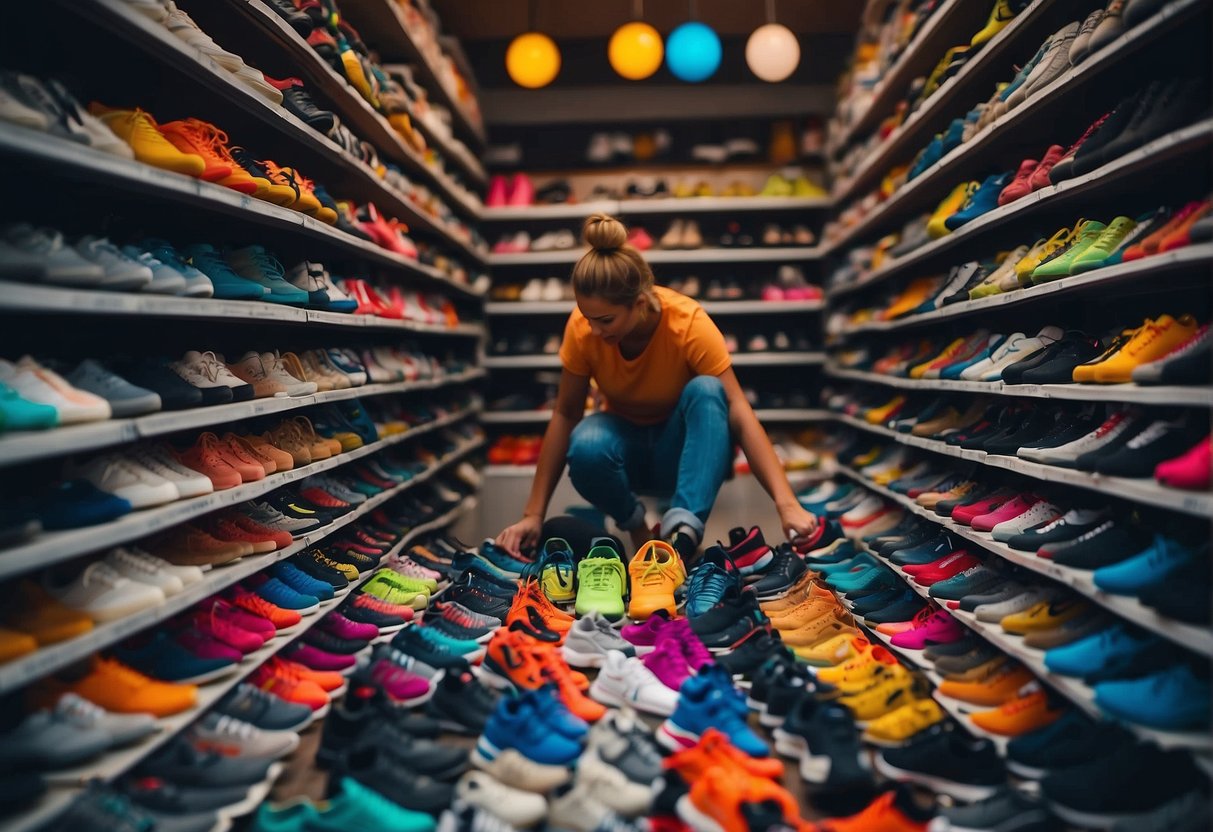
(211, 449)
(210, 137)
(709, 580)
(267, 263)
(233, 727)
(1087, 134)
(145, 126)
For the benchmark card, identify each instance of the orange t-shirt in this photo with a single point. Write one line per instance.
(646, 389)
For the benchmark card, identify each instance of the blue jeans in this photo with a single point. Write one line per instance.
(688, 457)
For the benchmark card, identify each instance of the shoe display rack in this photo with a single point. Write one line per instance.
(360, 444)
(958, 323)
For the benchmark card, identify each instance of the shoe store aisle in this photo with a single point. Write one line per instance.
(284, 290)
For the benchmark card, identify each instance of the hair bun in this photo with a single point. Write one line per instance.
(604, 233)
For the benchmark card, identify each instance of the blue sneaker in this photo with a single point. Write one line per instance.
(981, 201)
(710, 700)
(558, 716)
(159, 656)
(519, 723)
(279, 594)
(815, 502)
(1117, 651)
(256, 264)
(1147, 569)
(427, 645)
(874, 578)
(301, 582)
(466, 561)
(844, 566)
(1175, 699)
(19, 413)
(197, 283)
(953, 371)
(924, 553)
(503, 560)
(228, 285)
(77, 503)
(711, 579)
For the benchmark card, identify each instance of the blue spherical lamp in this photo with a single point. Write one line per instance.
(692, 52)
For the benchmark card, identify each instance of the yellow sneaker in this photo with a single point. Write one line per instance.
(1044, 616)
(1154, 340)
(882, 414)
(919, 370)
(1000, 16)
(880, 667)
(1041, 250)
(139, 130)
(14, 644)
(897, 727)
(889, 694)
(950, 205)
(831, 653)
(655, 573)
(866, 653)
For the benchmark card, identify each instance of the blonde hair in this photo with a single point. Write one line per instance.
(611, 269)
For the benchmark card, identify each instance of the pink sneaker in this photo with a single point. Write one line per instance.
(639, 239)
(1191, 471)
(1021, 185)
(411, 569)
(497, 198)
(206, 647)
(221, 629)
(241, 618)
(1007, 511)
(317, 659)
(668, 664)
(771, 292)
(892, 628)
(644, 636)
(940, 628)
(697, 656)
(402, 688)
(342, 627)
(522, 192)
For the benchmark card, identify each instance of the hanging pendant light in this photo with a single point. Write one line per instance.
(532, 59)
(772, 51)
(693, 50)
(635, 50)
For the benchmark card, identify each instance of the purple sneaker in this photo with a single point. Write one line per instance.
(940, 628)
(318, 659)
(342, 627)
(403, 689)
(644, 636)
(205, 647)
(697, 656)
(668, 664)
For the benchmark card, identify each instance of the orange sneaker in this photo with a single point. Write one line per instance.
(290, 687)
(284, 620)
(116, 687)
(328, 680)
(510, 661)
(261, 446)
(720, 798)
(569, 684)
(554, 617)
(221, 528)
(805, 589)
(526, 617)
(715, 751)
(893, 811)
(30, 609)
(187, 545)
(836, 622)
(1020, 715)
(816, 605)
(999, 685)
(206, 456)
(656, 571)
(138, 129)
(15, 644)
(193, 135)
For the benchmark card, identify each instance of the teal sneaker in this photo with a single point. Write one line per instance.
(295, 816)
(19, 413)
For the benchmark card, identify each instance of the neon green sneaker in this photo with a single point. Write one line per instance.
(557, 571)
(1059, 266)
(1099, 253)
(602, 581)
(394, 588)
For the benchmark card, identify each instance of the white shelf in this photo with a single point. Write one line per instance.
(1169, 395)
(792, 414)
(65, 786)
(123, 20)
(1141, 490)
(542, 417)
(944, 173)
(1162, 150)
(522, 362)
(712, 307)
(46, 660)
(25, 446)
(28, 297)
(1131, 274)
(754, 254)
(136, 177)
(57, 546)
(776, 359)
(667, 205)
(1189, 636)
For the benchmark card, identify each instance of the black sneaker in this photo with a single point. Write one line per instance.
(957, 664)
(1133, 782)
(296, 19)
(360, 715)
(459, 631)
(478, 601)
(1161, 440)
(790, 683)
(330, 643)
(159, 795)
(949, 762)
(19, 789)
(386, 622)
(1069, 526)
(903, 609)
(781, 575)
(102, 808)
(879, 600)
(1110, 542)
(250, 704)
(376, 768)
(752, 652)
(764, 677)
(461, 704)
(935, 652)
(736, 606)
(182, 763)
(312, 563)
(1072, 740)
(823, 736)
(1007, 808)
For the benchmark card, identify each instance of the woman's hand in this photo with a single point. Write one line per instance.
(522, 535)
(796, 521)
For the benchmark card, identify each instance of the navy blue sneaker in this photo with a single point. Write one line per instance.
(78, 503)
(158, 655)
(300, 581)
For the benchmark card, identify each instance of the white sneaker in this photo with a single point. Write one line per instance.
(44, 386)
(511, 768)
(103, 593)
(84, 125)
(222, 730)
(275, 371)
(123, 729)
(624, 680)
(138, 565)
(553, 289)
(376, 372)
(42, 253)
(266, 515)
(518, 808)
(162, 462)
(1014, 349)
(254, 370)
(868, 505)
(580, 809)
(591, 639)
(121, 272)
(1064, 456)
(184, 27)
(532, 291)
(1042, 512)
(613, 787)
(123, 477)
(16, 110)
(254, 79)
(205, 371)
(157, 10)
(165, 279)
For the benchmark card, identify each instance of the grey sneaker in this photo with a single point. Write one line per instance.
(972, 581)
(580, 810)
(590, 638)
(254, 706)
(993, 613)
(995, 596)
(267, 515)
(1007, 810)
(44, 740)
(980, 654)
(186, 765)
(621, 763)
(339, 490)
(221, 732)
(125, 399)
(123, 729)
(101, 809)
(1187, 813)
(42, 254)
(160, 796)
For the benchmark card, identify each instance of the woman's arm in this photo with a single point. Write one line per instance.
(765, 465)
(570, 408)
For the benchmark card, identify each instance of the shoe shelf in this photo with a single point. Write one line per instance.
(65, 785)
(916, 130)
(712, 307)
(57, 546)
(25, 297)
(1166, 150)
(46, 660)
(394, 41)
(542, 417)
(1189, 636)
(756, 254)
(1140, 490)
(121, 19)
(1135, 275)
(931, 41)
(758, 359)
(670, 205)
(1169, 395)
(981, 151)
(521, 362)
(25, 446)
(90, 164)
(1072, 689)
(356, 113)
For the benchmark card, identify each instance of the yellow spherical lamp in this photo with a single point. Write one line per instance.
(635, 50)
(772, 52)
(532, 60)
